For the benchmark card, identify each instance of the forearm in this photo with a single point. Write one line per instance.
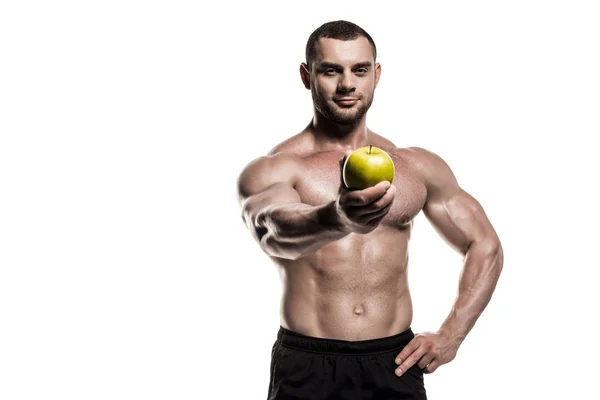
(482, 266)
(293, 230)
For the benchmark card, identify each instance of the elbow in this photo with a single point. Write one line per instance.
(499, 257)
(488, 249)
(490, 245)
(256, 223)
(268, 244)
(496, 250)
(275, 248)
(495, 255)
(259, 222)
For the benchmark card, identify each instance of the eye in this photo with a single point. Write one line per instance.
(362, 71)
(330, 71)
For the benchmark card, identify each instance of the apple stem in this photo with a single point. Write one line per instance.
(370, 148)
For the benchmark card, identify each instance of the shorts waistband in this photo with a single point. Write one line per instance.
(335, 346)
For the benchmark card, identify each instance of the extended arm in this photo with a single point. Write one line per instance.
(273, 212)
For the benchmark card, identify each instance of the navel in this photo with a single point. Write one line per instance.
(359, 310)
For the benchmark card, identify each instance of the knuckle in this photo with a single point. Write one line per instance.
(352, 215)
(383, 202)
(414, 358)
(351, 198)
(392, 197)
(379, 204)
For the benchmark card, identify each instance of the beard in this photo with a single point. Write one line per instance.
(341, 115)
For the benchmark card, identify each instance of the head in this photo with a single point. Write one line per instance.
(341, 71)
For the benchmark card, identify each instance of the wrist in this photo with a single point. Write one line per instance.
(452, 335)
(330, 218)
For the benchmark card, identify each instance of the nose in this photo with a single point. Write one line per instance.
(346, 83)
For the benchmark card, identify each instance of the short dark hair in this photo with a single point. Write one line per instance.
(341, 30)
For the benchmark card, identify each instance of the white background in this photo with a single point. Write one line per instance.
(125, 269)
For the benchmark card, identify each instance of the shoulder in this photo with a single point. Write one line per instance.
(267, 170)
(420, 157)
(429, 167)
(280, 164)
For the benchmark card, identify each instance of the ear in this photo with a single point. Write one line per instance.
(377, 73)
(305, 75)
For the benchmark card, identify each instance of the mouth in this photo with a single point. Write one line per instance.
(346, 101)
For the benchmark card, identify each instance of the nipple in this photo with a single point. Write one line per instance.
(358, 310)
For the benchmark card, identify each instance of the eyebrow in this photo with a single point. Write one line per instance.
(325, 64)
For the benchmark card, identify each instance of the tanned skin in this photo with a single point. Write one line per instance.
(343, 254)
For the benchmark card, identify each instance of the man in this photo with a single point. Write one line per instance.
(346, 309)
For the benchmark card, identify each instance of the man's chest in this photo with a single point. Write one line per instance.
(320, 178)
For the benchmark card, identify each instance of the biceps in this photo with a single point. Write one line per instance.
(459, 220)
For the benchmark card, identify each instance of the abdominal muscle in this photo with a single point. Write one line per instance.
(353, 289)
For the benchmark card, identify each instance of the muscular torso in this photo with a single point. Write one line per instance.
(355, 288)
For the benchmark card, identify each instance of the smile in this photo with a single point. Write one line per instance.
(347, 101)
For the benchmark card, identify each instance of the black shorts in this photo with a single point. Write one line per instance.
(304, 367)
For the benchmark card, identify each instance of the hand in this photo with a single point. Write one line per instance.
(361, 211)
(428, 350)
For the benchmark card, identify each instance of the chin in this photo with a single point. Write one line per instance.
(348, 115)
(346, 119)
(341, 115)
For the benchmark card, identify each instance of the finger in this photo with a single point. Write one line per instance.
(374, 209)
(370, 217)
(367, 196)
(410, 361)
(425, 361)
(408, 353)
(372, 224)
(361, 198)
(385, 201)
(432, 366)
(412, 346)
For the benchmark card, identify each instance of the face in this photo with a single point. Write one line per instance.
(342, 79)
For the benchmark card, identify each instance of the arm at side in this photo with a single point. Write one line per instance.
(462, 223)
(273, 212)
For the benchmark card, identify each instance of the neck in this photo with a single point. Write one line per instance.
(333, 135)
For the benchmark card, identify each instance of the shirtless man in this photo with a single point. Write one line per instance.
(342, 254)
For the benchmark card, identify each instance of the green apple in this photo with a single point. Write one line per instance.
(366, 167)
